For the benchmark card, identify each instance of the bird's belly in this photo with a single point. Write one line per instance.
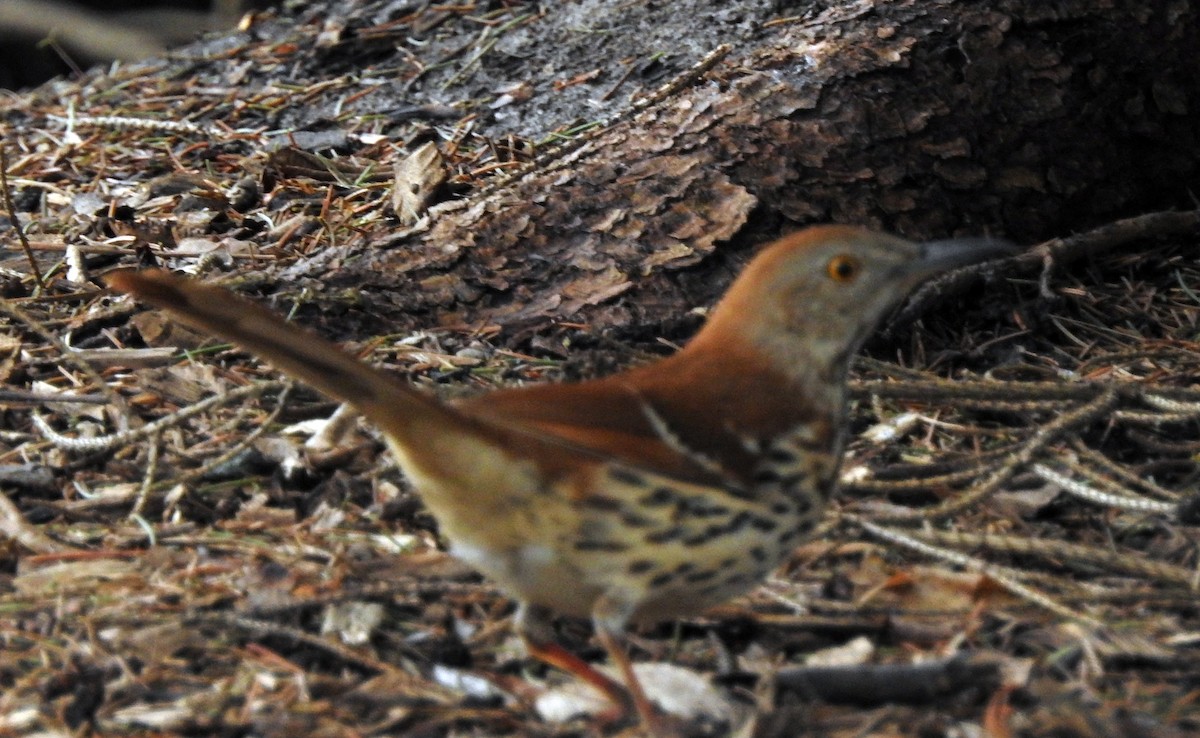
(678, 581)
(536, 574)
(519, 540)
(661, 547)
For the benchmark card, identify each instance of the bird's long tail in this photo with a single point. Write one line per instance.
(388, 401)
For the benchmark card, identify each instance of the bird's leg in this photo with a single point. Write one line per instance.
(533, 625)
(632, 691)
(610, 616)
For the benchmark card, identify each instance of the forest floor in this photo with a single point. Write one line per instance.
(1014, 552)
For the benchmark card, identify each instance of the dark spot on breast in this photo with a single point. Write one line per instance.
(662, 579)
(781, 508)
(758, 554)
(665, 535)
(781, 455)
(600, 546)
(739, 521)
(767, 475)
(700, 576)
(659, 497)
(701, 538)
(766, 525)
(640, 566)
(716, 530)
(736, 580)
(633, 520)
(739, 493)
(793, 480)
(600, 502)
(699, 507)
(626, 476)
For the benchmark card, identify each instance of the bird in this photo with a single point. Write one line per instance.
(647, 495)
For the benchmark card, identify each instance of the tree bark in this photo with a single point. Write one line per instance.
(1022, 118)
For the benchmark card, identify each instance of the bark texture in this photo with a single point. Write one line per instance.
(1022, 118)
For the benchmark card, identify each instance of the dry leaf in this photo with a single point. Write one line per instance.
(417, 178)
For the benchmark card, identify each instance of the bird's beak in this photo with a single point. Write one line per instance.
(941, 256)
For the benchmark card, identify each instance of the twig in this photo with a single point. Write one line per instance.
(14, 527)
(350, 656)
(38, 398)
(123, 438)
(238, 447)
(148, 477)
(1062, 552)
(1005, 578)
(15, 222)
(69, 356)
(1048, 434)
(1048, 254)
(1086, 492)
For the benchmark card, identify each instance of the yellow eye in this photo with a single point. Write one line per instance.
(843, 268)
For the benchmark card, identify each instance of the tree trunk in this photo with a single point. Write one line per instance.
(1027, 119)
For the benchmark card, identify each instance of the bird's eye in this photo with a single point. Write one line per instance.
(843, 268)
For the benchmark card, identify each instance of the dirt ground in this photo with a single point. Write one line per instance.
(1014, 553)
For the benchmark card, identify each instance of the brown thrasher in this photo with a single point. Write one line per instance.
(647, 495)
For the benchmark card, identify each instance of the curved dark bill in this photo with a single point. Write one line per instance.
(937, 256)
